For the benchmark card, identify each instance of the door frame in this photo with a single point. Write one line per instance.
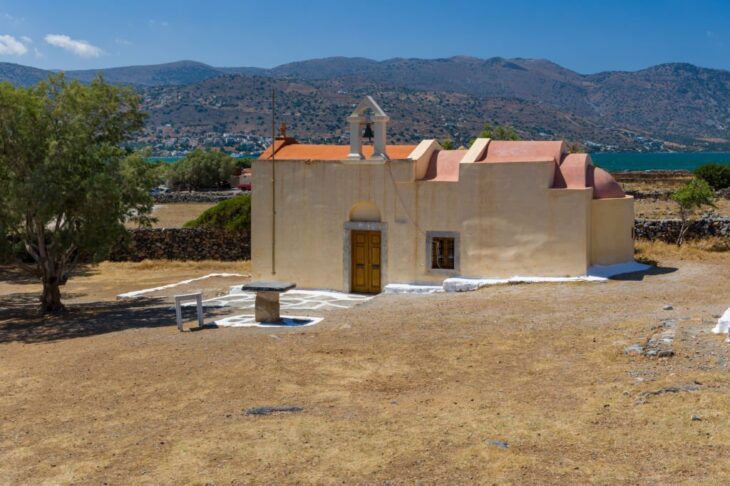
(347, 250)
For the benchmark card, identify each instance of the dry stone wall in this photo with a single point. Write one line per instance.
(182, 244)
(206, 244)
(195, 196)
(668, 229)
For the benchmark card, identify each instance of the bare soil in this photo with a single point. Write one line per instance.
(175, 215)
(401, 389)
(667, 209)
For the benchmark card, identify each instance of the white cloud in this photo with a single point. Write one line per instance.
(161, 23)
(122, 42)
(10, 46)
(26, 39)
(38, 53)
(80, 48)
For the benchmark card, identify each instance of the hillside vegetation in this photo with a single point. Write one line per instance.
(680, 105)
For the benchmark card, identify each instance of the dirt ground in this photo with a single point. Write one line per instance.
(177, 214)
(658, 209)
(516, 384)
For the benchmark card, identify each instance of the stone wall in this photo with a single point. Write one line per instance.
(195, 196)
(182, 244)
(205, 244)
(668, 229)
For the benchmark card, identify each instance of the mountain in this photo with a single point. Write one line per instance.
(173, 73)
(21, 75)
(680, 105)
(528, 79)
(678, 101)
(315, 110)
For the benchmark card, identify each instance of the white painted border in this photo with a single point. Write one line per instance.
(229, 322)
(138, 293)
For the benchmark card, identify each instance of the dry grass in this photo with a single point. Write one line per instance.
(647, 208)
(712, 249)
(176, 215)
(403, 389)
(106, 280)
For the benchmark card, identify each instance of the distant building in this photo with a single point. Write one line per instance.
(357, 217)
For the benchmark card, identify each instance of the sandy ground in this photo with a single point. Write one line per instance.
(177, 214)
(403, 389)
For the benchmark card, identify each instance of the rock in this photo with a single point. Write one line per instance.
(634, 349)
(696, 418)
(643, 396)
(668, 307)
(661, 344)
(270, 410)
(499, 443)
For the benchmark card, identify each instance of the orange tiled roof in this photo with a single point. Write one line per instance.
(301, 151)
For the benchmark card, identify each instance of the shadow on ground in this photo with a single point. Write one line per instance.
(20, 320)
(14, 275)
(638, 276)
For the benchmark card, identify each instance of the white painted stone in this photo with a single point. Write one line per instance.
(723, 324)
(412, 289)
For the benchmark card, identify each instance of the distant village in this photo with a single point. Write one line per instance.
(168, 141)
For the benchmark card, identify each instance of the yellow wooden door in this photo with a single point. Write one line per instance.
(366, 261)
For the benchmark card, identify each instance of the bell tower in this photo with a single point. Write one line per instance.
(370, 120)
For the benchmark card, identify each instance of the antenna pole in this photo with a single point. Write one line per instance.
(273, 181)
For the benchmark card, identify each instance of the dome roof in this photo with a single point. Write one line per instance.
(605, 186)
(578, 172)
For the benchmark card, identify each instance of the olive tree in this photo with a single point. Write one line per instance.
(66, 185)
(692, 196)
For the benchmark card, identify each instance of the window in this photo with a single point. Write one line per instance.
(443, 251)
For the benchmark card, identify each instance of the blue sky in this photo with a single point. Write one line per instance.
(586, 36)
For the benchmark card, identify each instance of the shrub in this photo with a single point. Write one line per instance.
(203, 170)
(232, 215)
(716, 175)
(694, 195)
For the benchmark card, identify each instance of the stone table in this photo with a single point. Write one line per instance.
(267, 307)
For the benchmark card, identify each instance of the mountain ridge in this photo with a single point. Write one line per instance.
(684, 105)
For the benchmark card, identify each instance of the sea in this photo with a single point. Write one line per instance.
(625, 161)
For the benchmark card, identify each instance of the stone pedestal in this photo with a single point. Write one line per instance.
(267, 307)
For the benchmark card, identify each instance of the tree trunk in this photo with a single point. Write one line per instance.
(683, 228)
(51, 298)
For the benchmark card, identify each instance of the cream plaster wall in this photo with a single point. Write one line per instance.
(509, 221)
(611, 234)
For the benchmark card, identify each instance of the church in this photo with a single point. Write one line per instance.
(355, 218)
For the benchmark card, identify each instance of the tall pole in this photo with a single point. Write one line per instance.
(273, 181)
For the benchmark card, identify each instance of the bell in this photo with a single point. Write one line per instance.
(368, 133)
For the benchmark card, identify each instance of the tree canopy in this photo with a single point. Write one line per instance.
(202, 169)
(691, 197)
(716, 175)
(498, 132)
(67, 186)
